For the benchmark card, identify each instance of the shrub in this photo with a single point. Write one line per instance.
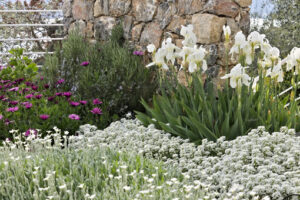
(250, 167)
(42, 171)
(111, 72)
(27, 103)
(196, 112)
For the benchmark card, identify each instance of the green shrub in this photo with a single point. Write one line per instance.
(114, 74)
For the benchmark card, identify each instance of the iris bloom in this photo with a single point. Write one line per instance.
(238, 77)
(190, 38)
(293, 60)
(227, 32)
(276, 73)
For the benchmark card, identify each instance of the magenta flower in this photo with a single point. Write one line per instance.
(41, 78)
(83, 102)
(29, 131)
(97, 102)
(1, 117)
(46, 86)
(13, 103)
(138, 53)
(60, 81)
(39, 96)
(67, 94)
(27, 104)
(34, 87)
(58, 94)
(12, 109)
(85, 63)
(74, 117)
(44, 117)
(14, 89)
(28, 83)
(97, 111)
(29, 96)
(51, 98)
(74, 104)
(7, 122)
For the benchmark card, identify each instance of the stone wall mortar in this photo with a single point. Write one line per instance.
(151, 21)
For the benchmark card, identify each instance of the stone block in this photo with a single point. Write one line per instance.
(101, 7)
(187, 7)
(208, 28)
(144, 10)
(103, 27)
(82, 9)
(151, 34)
(244, 3)
(119, 8)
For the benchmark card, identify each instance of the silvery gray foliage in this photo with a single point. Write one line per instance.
(259, 163)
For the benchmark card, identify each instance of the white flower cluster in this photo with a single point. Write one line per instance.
(259, 165)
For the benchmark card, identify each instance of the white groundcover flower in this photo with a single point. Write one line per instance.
(260, 164)
(237, 76)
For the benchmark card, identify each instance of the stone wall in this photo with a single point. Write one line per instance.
(150, 21)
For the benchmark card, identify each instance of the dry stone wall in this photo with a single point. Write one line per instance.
(150, 21)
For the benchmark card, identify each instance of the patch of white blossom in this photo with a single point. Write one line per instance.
(258, 165)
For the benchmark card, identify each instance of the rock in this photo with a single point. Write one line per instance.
(233, 26)
(208, 28)
(127, 25)
(222, 59)
(136, 32)
(119, 8)
(176, 23)
(178, 42)
(212, 50)
(67, 23)
(101, 7)
(103, 27)
(78, 26)
(151, 35)
(182, 79)
(89, 30)
(244, 3)
(144, 10)
(82, 9)
(245, 22)
(164, 14)
(187, 7)
(222, 7)
(67, 5)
